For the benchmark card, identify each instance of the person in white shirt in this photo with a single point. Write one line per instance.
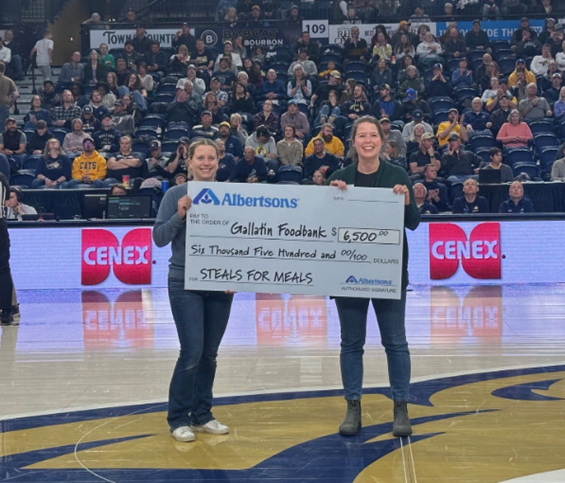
(5, 53)
(560, 58)
(14, 206)
(540, 63)
(44, 50)
(236, 61)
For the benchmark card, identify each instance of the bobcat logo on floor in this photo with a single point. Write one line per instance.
(506, 424)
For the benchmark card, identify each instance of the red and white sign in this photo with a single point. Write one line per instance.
(479, 254)
(130, 260)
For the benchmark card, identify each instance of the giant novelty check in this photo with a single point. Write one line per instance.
(295, 239)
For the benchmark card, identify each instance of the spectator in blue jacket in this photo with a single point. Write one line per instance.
(251, 168)
(477, 120)
(272, 89)
(517, 202)
(462, 77)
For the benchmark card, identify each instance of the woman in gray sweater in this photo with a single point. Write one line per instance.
(201, 317)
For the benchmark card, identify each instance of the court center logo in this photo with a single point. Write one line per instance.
(510, 421)
(206, 197)
(479, 254)
(130, 260)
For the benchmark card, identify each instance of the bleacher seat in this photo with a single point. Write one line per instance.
(441, 116)
(360, 77)
(59, 133)
(290, 174)
(167, 88)
(155, 120)
(355, 66)
(164, 98)
(24, 177)
(140, 148)
(541, 127)
(531, 169)
(175, 133)
(497, 45)
(146, 131)
(31, 161)
(475, 55)
(280, 67)
(547, 158)
(545, 140)
(507, 65)
(335, 48)
(169, 146)
(520, 155)
(483, 153)
(481, 141)
(326, 57)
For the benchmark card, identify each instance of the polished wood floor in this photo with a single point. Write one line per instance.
(84, 378)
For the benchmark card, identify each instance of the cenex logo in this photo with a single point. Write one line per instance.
(367, 281)
(479, 255)
(207, 197)
(130, 260)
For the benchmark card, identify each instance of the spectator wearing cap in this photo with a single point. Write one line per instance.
(332, 144)
(205, 128)
(319, 160)
(520, 67)
(457, 163)
(266, 117)
(551, 95)
(423, 156)
(298, 120)
(224, 73)
(420, 198)
(454, 124)
(403, 29)
(72, 71)
(385, 105)
(527, 46)
(184, 37)
(358, 107)
(264, 145)
(227, 164)
(477, 38)
(355, 47)
(251, 168)
(131, 57)
(299, 87)
(312, 47)
(470, 202)
(36, 143)
(272, 89)
(417, 117)
(198, 84)
(429, 51)
(518, 91)
(89, 122)
(524, 23)
(392, 135)
(215, 88)
(462, 76)
(121, 120)
(156, 162)
(517, 202)
(540, 63)
(381, 75)
(491, 10)
(412, 81)
(477, 121)
(72, 144)
(182, 111)
(293, 15)
(107, 139)
(13, 142)
(544, 36)
(89, 168)
(130, 16)
(308, 66)
(156, 60)
(411, 103)
(438, 86)
(321, 94)
(53, 167)
(141, 43)
(534, 107)
(232, 144)
(437, 192)
(125, 163)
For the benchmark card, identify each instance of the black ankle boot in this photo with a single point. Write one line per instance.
(352, 422)
(401, 425)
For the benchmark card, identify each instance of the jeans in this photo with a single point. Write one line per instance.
(353, 320)
(487, 11)
(138, 99)
(6, 286)
(201, 319)
(40, 183)
(74, 183)
(4, 114)
(16, 65)
(325, 111)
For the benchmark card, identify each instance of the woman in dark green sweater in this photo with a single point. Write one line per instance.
(369, 171)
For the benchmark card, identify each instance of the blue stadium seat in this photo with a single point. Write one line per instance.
(440, 103)
(547, 158)
(330, 56)
(175, 133)
(452, 64)
(545, 140)
(140, 148)
(481, 141)
(169, 146)
(475, 55)
(154, 120)
(356, 65)
(5, 167)
(360, 77)
(59, 133)
(24, 177)
(531, 169)
(507, 65)
(146, 131)
(282, 76)
(167, 88)
(280, 67)
(291, 174)
(497, 45)
(483, 153)
(541, 127)
(31, 161)
(441, 116)
(164, 98)
(335, 48)
(520, 155)
(465, 93)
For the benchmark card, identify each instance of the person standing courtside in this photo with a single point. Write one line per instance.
(369, 172)
(6, 285)
(201, 316)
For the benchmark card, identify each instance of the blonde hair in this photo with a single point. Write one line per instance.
(46, 152)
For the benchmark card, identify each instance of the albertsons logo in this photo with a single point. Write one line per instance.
(367, 281)
(207, 197)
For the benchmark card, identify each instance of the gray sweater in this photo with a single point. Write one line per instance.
(169, 228)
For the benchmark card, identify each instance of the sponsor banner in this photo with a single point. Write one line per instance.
(496, 30)
(253, 36)
(338, 34)
(116, 38)
(485, 253)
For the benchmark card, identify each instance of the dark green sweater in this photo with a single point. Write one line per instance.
(388, 176)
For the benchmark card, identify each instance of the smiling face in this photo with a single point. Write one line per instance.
(367, 141)
(204, 163)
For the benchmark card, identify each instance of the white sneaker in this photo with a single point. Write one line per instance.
(183, 434)
(211, 427)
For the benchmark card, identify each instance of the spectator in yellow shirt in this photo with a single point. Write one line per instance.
(521, 67)
(89, 168)
(453, 124)
(332, 143)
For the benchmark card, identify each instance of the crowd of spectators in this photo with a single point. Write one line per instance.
(449, 108)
